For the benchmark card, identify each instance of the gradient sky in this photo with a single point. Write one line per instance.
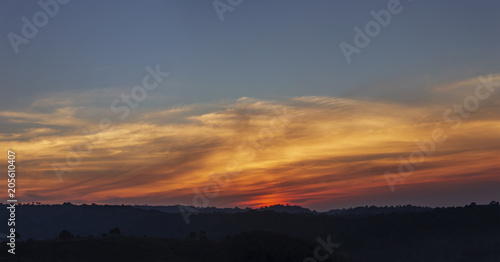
(345, 123)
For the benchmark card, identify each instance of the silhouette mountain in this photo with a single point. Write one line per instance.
(276, 233)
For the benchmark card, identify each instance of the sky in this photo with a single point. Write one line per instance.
(252, 103)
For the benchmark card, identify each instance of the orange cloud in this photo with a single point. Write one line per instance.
(331, 149)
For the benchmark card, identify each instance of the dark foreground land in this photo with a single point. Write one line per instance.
(470, 233)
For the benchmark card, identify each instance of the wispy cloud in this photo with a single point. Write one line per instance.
(333, 148)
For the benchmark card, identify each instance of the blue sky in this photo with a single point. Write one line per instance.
(263, 49)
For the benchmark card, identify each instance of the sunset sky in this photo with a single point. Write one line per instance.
(266, 95)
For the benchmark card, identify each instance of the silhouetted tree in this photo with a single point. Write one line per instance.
(65, 235)
(115, 232)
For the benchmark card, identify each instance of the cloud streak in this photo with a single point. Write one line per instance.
(333, 153)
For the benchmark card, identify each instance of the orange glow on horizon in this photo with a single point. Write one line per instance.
(325, 149)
